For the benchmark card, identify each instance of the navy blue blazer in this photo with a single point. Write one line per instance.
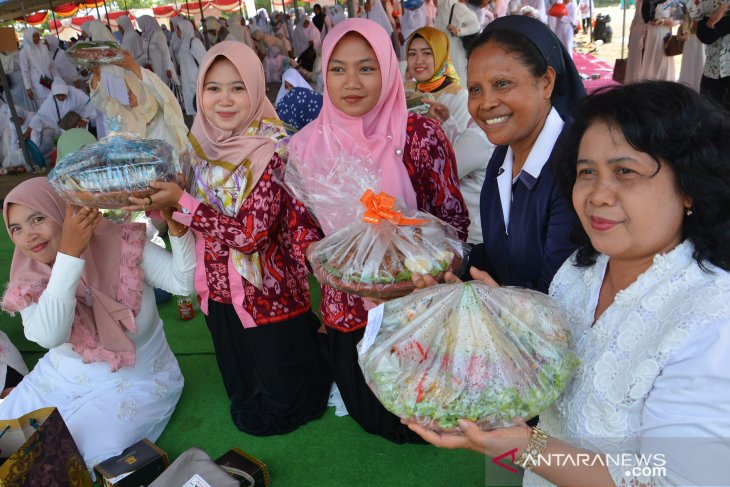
(540, 224)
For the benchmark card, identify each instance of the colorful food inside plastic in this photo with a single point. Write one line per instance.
(496, 356)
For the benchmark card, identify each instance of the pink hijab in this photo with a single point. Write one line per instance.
(381, 131)
(229, 149)
(110, 291)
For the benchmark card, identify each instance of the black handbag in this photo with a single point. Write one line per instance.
(468, 40)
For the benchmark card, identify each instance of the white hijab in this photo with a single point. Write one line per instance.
(295, 79)
(380, 16)
(148, 25)
(38, 54)
(238, 31)
(303, 35)
(131, 41)
(58, 56)
(187, 34)
(100, 32)
(74, 99)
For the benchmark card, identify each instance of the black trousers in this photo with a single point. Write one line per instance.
(360, 401)
(717, 89)
(276, 375)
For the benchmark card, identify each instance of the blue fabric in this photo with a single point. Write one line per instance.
(540, 223)
(299, 107)
(35, 154)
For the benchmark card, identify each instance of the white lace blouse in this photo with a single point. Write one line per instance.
(655, 370)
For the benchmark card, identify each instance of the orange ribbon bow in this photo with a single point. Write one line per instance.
(380, 207)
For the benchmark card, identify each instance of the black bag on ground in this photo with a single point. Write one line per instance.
(602, 30)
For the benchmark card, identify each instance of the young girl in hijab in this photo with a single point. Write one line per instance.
(297, 103)
(190, 55)
(63, 100)
(155, 53)
(251, 279)
(84, 289)
(37, 67)
(306, 43)
(131, 40)
(429, 64)
(239, 31)
(65, 68)
(364, 97)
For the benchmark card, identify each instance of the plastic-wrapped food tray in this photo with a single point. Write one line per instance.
(496, 356)
(88, 53)
(106, 174)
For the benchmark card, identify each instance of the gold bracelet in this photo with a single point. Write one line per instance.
(182, 232)
(535, 446)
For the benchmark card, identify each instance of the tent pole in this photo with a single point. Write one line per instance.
(202, 24)
(22, 6)
(50, 2)
(623, 30)
(108, 22)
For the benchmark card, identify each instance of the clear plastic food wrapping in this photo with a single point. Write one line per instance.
(87, 53)
(496, 356)
(376, 256)
(415, 101)
(373, 245)
(106, 174)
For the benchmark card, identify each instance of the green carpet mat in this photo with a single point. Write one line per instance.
(327, 452)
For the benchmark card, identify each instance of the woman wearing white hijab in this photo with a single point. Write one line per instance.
(36, 65)
(290, 79)
(190, 55)
(68, 71)
(155, 53)
(131, 40)
(13, 159)
(238, 31)
(261, 21)
(375, 11)
(464, 22)
(338, 13)
(64, 99)
(307, 42)
(11, 65)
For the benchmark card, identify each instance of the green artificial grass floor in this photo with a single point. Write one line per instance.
(327, 452)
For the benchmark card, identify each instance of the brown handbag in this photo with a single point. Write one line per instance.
(619, 70)
(673, 45)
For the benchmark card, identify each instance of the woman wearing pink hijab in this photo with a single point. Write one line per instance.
(251, 281)
(85, 290)
(364, 97)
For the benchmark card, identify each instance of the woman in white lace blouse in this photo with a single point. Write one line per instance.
(646, 297)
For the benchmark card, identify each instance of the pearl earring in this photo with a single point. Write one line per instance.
(688, 211)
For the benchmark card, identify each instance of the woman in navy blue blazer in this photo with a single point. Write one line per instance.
(522, 84)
